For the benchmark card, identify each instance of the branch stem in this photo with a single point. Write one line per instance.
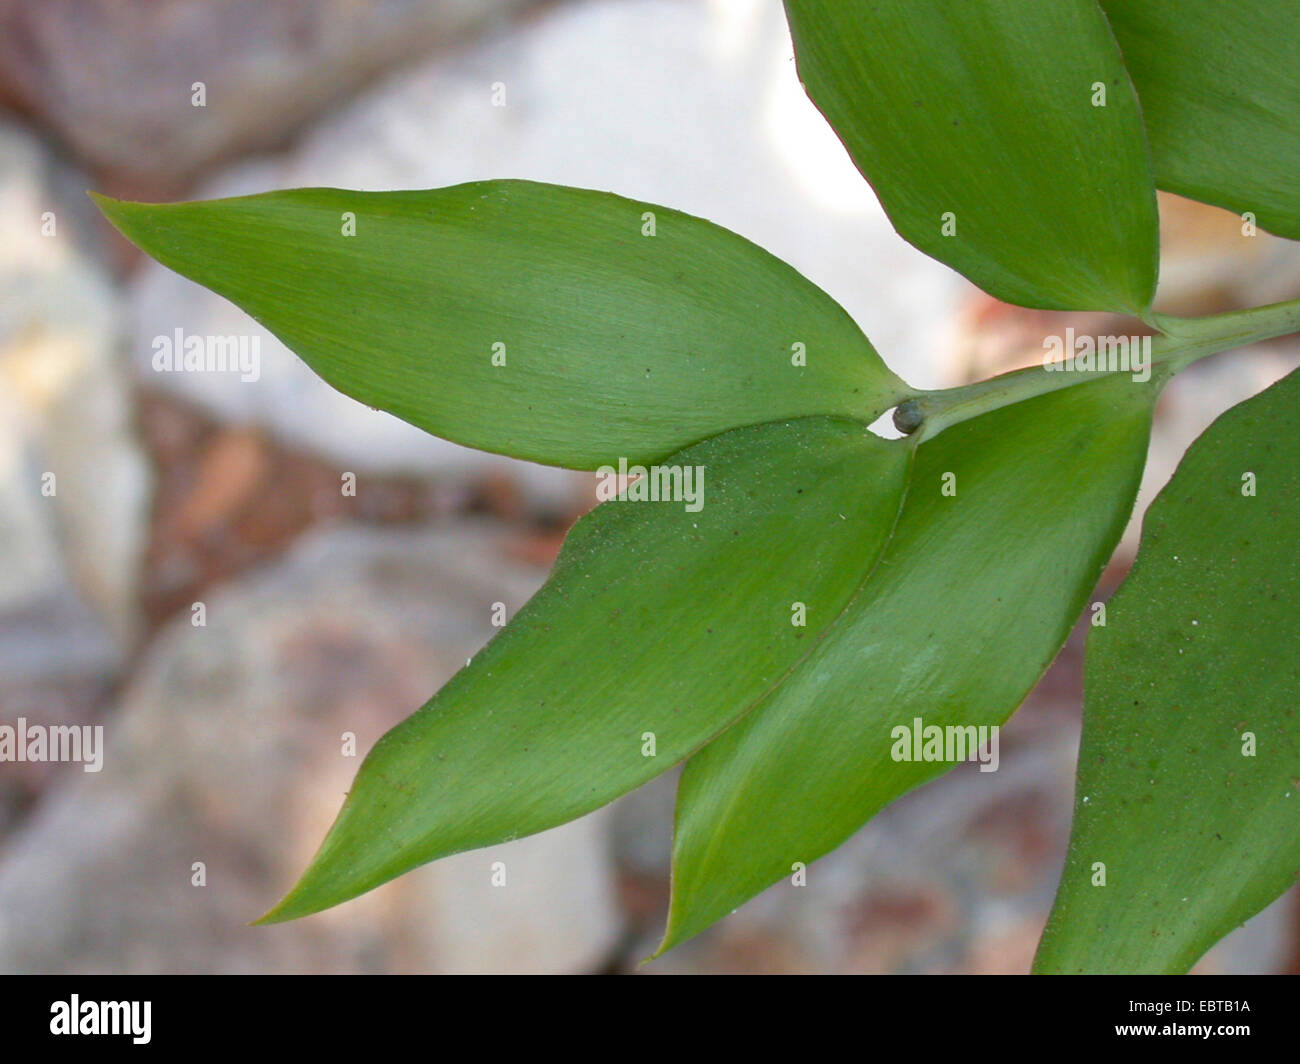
(1181, 342)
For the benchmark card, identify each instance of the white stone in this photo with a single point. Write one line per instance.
(64, 410)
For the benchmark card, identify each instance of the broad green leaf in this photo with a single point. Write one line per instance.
(656, 620)
(969, 603)
(975, 123)
(1189, 772)
(615, 344)
(1220, 90)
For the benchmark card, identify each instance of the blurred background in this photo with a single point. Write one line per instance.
(328, 614)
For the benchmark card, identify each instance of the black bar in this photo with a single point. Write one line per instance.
(399, 1014)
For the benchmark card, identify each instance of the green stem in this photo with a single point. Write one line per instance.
(1184, 341)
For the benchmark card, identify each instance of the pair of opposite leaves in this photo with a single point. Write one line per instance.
(624, 346)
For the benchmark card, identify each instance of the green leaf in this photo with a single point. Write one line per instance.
(981, 113)
(1197, 652)
(1220, 90)
(616, 344)
(969, 603)
(656, 620)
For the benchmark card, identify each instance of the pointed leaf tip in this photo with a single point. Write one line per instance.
(538, 730)
(537, 321)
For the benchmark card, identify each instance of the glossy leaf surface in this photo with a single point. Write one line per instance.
(969, 603)
(1220, 90)
(528, 319)
(1003, 138)
(1187, 810)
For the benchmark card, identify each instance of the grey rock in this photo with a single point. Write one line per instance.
(114, 80)
(229, 749)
